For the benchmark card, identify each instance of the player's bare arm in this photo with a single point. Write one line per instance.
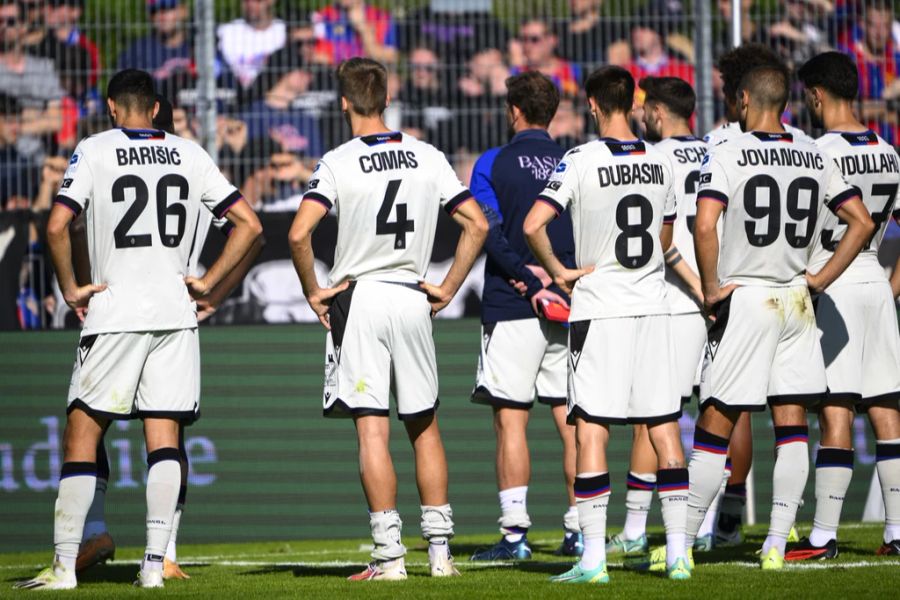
(860, 229)
(706, 246)
(474, 231)
(60, 242)
(300, 239)
(247, 230)
(207, 306)
(540, 215)
(895, 277)
(679, 266)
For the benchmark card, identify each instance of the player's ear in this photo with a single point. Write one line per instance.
(155, 109)
(111, 106)
(387, 100)
(345, 106)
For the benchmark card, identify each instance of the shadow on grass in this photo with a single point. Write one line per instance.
(308, 570)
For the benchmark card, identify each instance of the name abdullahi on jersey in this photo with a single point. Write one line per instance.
(864, 164)
(780, 157)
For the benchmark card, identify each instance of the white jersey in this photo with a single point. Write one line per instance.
(774, 189)
(142, 191)
(386, 190)
(872, 166)
(685, 153)
(731, 130)
(205, 223)
(619, 193)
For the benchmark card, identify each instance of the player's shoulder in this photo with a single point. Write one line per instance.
(722, 133)
(799, 134)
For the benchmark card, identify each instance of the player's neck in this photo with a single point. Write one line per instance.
(839, 117)
(616, 127)
(765, 122)
(520, 127)
(675, 129)
(136, 122)
(362, 126)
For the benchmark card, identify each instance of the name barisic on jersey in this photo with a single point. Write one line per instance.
(780, 157)
(386, 161)
(643, 173)
(147, 155)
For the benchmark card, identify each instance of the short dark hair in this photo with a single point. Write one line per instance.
(133, 89)
(834, 71)
(768, 85)
(363, 82)
(612, 88)
(535, 95)
(737, 62)
(674, 93)
(9, 105)
(164, 119)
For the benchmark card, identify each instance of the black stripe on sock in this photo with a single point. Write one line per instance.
(589, 484)
(669, 476)
(182, 495)
(834, 457)
(883, 451)
(102, 461)
(789, 430)
(736, 489)
(708, 439)
(161, 455)
(71, 469)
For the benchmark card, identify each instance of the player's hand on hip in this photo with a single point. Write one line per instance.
(813, 283)
(541, 274)
(197, 288)
(438, 297)
(567, 278)
(80, 297)
(205, 309)
(711, 300)
(546, 296)
(320, 301)
(519, 286)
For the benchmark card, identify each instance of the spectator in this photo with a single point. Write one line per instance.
(287, 181)
(455, 30)
(567, 126)
(15, 179)
(30, 80)
(535, 50)
(480, 117)
(801, 32)
(425, 98)
(351, 28)
(650, 54)
(245, 43)
(61, 19)
(582, 38)
(877, 59)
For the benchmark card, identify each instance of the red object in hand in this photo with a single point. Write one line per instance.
(554, 311)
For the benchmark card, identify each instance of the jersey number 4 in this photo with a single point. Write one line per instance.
(402, 225)
(163, 210)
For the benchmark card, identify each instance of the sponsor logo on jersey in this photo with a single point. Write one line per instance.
(66, 183)
(626, 149)
(73, 160)
(554, 185)
(313, 184)
(540, 166)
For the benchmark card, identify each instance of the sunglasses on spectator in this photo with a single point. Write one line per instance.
(531, 39)
(280, 164)
(9, 22)
(424, 66)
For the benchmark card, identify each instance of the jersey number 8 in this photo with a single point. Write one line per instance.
(634, 203)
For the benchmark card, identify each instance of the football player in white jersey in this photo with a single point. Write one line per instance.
(386, 188)
(668, 106)
(97, 544)
(728, 506)
(621, 195)
(139, 354)
(763, 347)
(856, 314)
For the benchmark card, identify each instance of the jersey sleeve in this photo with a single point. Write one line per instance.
(452, 191)
(713, 184)
(77, 185)
(216, 192)
(483, 189)
(322, 188)
(837, 190)
(562, 186)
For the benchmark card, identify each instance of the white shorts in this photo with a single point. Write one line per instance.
(519, 360)
(860, 343)
(763, 347)
(621, 370)
(689, 335)
(380, 342)
(138, 374)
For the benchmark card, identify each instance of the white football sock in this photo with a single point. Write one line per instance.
(708, 526)
(386, 527)
(76, 491)
(673, 487)
(887, 455)
(163, 481)
(706, 469)
(638, 499)
(172, 547)
(592, 496)
(834, 469)
(514, 520)
(437, 523)
(788, 481)
(570, 521)
(95, 522)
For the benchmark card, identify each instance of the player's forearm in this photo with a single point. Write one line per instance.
(236, 248)
(61, 254)
(236, 275)
(497, 248)
(471, 240)
(371, 46)
(304, 262)
(81, 259)
(540, 245)
(676, 263)
(854, 240)
(895, 279)
(706, 247)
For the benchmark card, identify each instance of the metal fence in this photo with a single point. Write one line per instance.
(253, 79)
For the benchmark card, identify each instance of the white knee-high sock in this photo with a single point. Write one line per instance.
(887, 455)
(788, 481)
(437, 529)
(708, 526)
(163, 482)
(592, 496)
(705, 469)
(638, 498)
(514, 520)
(673, 487)
(95, 522)
(172, 546)
(77, 481)
(834, 469)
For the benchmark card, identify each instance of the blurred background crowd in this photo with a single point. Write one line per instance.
(275, 98)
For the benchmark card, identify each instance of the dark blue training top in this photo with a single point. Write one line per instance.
(506, 181)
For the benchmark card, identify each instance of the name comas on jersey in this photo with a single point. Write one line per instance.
(147, 155)
(388, 161)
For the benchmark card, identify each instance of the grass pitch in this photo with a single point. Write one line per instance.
(318, 569)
